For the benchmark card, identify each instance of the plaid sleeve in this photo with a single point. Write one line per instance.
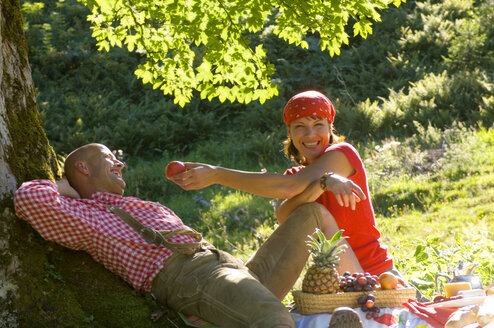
(53, 216)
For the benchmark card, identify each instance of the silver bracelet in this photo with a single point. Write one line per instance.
(322, 180)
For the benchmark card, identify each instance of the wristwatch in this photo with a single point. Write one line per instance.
(322, 180)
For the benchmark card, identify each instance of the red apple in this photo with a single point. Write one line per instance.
(174, 167)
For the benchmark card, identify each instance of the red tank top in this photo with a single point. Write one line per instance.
(358, 225)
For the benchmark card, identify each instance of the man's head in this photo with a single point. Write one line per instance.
(92, 168)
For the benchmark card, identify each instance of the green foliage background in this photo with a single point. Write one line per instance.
(428, 62)
(210, 46)
(416, 98)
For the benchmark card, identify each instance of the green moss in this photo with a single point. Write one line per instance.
(48, 285)
(10, 29)
(58, 287)
(30, 155)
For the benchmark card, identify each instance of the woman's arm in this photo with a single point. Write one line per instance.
(272, 185)
(265, 184)
(347, 193)
(284, 207)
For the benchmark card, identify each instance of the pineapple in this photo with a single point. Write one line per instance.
(322, 276)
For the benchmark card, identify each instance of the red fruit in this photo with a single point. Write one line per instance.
(369, 304)
(362, 281)
(174, 167)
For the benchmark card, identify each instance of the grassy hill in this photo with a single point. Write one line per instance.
(416, 98)
(433, 194)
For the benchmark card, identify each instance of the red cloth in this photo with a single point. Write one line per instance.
(86, 224)
(436, 317)
(360, 224)
(307, 104)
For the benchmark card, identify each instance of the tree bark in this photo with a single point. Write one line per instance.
(24, 149)
(43, 284)
(25, 152)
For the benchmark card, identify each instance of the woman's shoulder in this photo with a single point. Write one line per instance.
(342, 146)
(349, 151)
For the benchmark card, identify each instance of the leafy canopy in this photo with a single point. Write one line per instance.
(204, 44)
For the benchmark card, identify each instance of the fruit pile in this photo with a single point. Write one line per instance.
(365, 282)
(358, 282)
(367, 305)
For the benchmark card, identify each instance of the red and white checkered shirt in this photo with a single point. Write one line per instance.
(86, 224)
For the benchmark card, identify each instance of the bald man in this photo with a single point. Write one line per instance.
(183, 272)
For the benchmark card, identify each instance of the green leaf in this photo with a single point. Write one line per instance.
(105, 6)
(336, 236)
(103, 45)
(397, 3)
(204, 72)
(191, 43)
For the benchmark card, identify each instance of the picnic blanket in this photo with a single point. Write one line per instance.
(388, 318)
(398, 317)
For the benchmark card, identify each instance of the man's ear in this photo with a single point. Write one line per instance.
(81, 167)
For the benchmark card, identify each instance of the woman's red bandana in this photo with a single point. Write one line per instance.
(308, 104)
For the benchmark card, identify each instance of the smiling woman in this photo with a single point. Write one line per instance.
(309, 135)
(312, 115)
(311, 143)
(329, 172)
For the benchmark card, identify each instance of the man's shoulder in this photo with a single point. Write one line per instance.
(37, 182)
(33, 187)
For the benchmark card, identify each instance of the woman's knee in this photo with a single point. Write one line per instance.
(326, 221)
(311, 206)
(318, 213)
(314, 208)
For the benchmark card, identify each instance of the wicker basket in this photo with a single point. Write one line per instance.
(326, 303)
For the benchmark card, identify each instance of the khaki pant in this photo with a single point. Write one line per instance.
(219, 288)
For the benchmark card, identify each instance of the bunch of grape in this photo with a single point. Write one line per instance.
(367, 305)
(358, 282)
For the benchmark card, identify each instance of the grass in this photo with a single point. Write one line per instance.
(448, 212)
(433, 195)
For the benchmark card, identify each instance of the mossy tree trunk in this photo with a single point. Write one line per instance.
(41, 283)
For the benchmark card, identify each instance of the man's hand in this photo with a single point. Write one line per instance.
(65, 189)
(347, 193)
